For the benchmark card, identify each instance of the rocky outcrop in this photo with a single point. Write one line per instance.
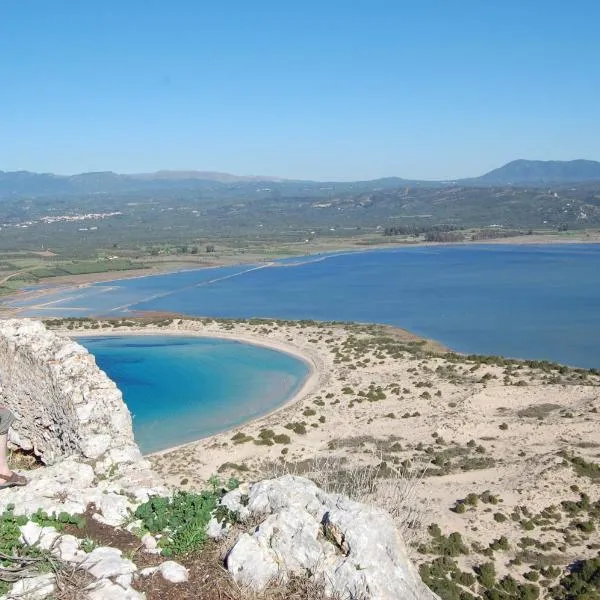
(72, 416)
(354, 550)
(65, 405)
(112, 575)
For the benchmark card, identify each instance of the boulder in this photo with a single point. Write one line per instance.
(174, 572)
(353, 549)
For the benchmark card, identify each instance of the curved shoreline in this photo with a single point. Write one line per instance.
(312, 381)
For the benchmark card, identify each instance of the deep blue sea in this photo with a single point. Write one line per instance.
(181, 389)
(523, 301)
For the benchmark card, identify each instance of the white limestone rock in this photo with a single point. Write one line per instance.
(67, 548)
(251, 565)
(104, 562)
(74, 418)
(105, 589)
(69, 487)
(174, 572)
(233, 501)
(30, 533)
(353, 549)
(65, 405)
(33, 588)
(125, 580)
(216, 530)
(149, 541)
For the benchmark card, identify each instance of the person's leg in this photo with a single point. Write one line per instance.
(7, 477)
(4, 470)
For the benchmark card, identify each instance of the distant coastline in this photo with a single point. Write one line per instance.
(57, 284)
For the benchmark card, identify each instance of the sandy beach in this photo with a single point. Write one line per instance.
(495, 444)
(312, 382)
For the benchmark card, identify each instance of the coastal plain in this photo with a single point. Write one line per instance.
(494, 460)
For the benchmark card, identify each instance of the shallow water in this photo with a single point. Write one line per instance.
(181, 389)
(525, 301)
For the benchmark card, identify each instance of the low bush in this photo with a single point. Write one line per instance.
(183, 517)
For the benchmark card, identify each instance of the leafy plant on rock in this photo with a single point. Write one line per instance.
(183, 517)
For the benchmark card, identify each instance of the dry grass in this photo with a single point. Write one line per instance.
(297, 588)
(72, 583)
(23, 460)
(374, 483)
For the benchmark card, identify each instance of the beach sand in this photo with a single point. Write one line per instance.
(500, 430)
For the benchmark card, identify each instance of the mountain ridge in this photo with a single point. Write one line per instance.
(520, 172)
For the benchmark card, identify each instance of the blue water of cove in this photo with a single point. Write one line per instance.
(181, 389)
(525, 301)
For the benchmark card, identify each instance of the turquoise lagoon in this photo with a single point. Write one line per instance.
(179, 389)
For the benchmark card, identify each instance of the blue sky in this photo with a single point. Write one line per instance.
(329, 89)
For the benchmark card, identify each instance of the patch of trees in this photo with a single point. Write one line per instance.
(495, 234)
(416, 230)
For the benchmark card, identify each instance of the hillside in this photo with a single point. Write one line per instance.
(540, 172)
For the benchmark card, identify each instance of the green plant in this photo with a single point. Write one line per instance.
(241, 438)
(582, 583)
(486, 574)
(183, 517)
(87, 545)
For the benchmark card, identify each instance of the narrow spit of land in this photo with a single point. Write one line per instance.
(496, 460)
(171, 264)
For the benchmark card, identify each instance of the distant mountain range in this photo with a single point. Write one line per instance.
(541, 172)
(525, 173)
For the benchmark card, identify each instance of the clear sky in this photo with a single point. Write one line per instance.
(321, 89)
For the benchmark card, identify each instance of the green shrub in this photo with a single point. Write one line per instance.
(241, 438)
(486, 575)
(183, 517)
(299, 428)
(582, 583)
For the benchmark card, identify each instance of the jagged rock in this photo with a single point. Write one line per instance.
(251, 565)
(74, 418)
(353, 549)
(64, 403)
(30, 533)
(216, 530)
(233, 501)
(70, 487)
(174, 572)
